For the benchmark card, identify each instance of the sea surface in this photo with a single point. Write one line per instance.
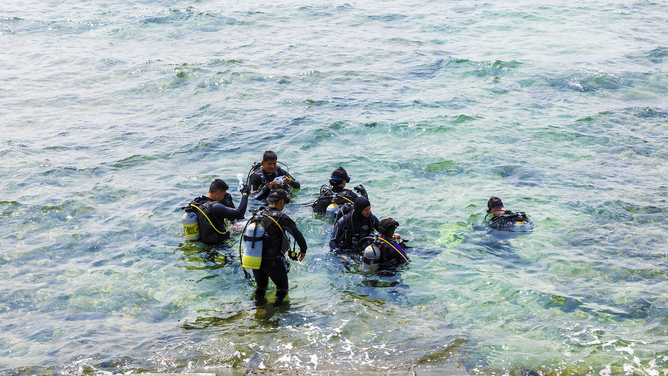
(113, 115)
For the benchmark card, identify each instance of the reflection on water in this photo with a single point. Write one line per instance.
(199, 256)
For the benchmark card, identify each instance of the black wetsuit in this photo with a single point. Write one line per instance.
(335, 194)
(349, 231)
(275, 245)
(259, 180)
(217, 213)
(507, 220)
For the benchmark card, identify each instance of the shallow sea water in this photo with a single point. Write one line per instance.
(115, 115)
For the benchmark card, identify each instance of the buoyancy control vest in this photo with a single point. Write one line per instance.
(330, 201)
(213, 231)
(508, 220)
(355, 239)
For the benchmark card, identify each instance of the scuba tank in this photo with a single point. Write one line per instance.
(190, 226)
(253, 236)
(332, 209)
(371, 257)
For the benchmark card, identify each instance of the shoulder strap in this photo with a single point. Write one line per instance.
(260, 172)
(285, 236)
(264, 214)
(395, 248)
(276, 222)
(343, 196)
(211, 223)
(264, 179)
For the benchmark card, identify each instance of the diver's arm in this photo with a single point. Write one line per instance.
(290, 227)
(294, 183)
(222, 211)
(361, 190)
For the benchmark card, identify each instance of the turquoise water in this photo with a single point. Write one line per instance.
(113, 116)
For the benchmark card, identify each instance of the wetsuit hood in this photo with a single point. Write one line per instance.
(361, 203)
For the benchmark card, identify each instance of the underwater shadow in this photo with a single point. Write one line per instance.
(199, 256)
(482, 240)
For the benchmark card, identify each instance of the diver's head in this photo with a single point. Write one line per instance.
(269, 159)
(362, 207)
(272, 186)
(339, 178)
(495, 205)
(278, 198)
(387, 227)
(217, 190)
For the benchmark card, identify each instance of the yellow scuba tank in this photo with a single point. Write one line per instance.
(253, 236)
(332, 209)
(190, 226)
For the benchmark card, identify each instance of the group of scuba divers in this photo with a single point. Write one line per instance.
(265, 241)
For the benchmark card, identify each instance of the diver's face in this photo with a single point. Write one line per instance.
(269, 166)
(367, 211)
(498, 210)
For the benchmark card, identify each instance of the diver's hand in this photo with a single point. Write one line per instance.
(301, 256)
(244, 189)
(396, 236)
(360, 189)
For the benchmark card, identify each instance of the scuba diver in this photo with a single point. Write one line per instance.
(353, 230)
(263, 173)
(503, 219)
(388, 250)
(273, 263)
(215, 210)
(336, 195)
